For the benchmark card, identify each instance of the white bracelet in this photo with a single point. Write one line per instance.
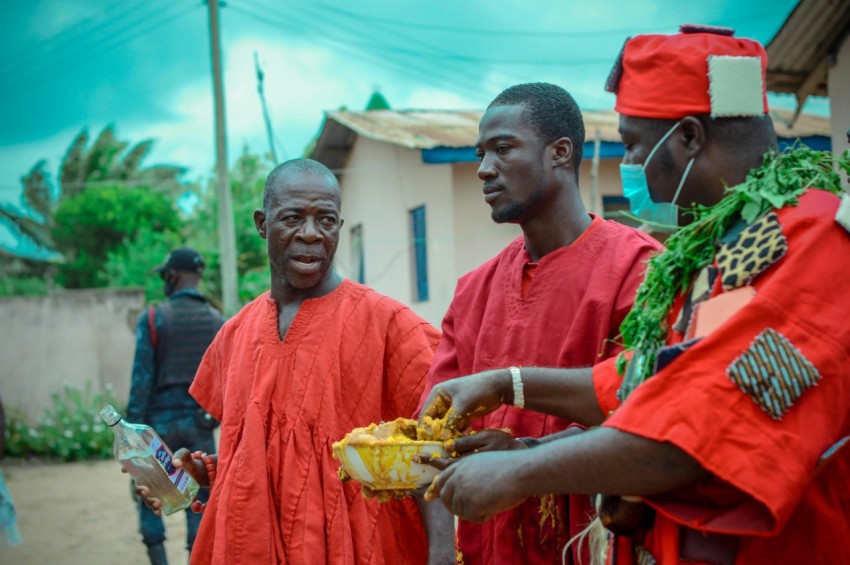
(519, 397)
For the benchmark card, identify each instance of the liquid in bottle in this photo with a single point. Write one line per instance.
(143, 454)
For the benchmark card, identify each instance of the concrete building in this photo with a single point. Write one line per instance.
(415, 218)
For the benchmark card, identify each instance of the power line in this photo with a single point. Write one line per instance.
(459, 70)
(342, 45)
(70, 42)
(519, 33)
(86, 29)
(349, 38)
(100, 47)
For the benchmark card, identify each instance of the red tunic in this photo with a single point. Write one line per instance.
(772, 492)
(350, 358)
(574, 303)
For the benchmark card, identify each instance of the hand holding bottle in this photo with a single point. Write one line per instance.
(144, 455)
(200, 466)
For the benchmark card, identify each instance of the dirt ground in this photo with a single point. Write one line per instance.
(80, 513)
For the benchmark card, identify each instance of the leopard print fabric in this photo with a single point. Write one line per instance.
(756, 248)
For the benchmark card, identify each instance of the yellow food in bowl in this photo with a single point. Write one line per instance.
(380, 456)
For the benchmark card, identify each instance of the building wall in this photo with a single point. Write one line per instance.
(477, 237)
(73, 337)
(608, 183)
(839, 100)
(381, 184)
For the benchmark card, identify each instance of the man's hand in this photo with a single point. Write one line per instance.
(182, 460)
(466, 398)
(480, 442)
(485, 440)
(194, 466)
(154, 504)
(477, 487)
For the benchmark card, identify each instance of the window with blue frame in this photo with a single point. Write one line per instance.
(420, 254)
(358, 258)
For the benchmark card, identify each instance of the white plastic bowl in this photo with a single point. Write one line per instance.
(388, 464)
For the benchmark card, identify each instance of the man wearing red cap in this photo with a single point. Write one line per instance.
(722, 428)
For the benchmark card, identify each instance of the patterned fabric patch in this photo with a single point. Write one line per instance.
(773, 373)
(643, 557)
(758, 246)
(669, 353)
(700, 291)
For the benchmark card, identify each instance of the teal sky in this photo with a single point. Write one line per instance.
(144, 66)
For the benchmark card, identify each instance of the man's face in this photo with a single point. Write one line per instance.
(512, 159)
(301, 226)
(169, 281)
(640, 136)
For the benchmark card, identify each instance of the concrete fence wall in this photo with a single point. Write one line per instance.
(73, 337)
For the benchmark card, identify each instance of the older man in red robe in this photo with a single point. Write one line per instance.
(293, 372)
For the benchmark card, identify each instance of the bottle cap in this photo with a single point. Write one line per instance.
(110, 415)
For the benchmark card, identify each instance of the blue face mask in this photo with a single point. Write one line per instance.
(663, 216)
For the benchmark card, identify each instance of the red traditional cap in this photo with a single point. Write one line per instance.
(701, 70)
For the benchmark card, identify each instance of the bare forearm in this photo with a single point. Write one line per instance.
(440, 530)
(607, 461)
(571, 431)
(566, 393)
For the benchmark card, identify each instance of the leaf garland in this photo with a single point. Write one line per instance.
(779, 181)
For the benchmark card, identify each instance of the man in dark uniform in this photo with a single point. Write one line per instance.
(171, 339)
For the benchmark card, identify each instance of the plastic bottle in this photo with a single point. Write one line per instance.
(148, 460)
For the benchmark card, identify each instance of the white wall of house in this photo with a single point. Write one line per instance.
(608, 183)
(382, 183)
(477, 237)
(839, 100)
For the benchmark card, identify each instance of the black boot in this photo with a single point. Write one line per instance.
(157, 554)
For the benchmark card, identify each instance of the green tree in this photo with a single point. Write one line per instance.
(107, 161)
(115, 171)
(34, 220)
(99, 221)
(377, 102)
(132, 263)
(246, 183)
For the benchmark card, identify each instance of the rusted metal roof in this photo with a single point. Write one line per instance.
(421, 129)
(799, 55)
(806, 125)
(414, 129)
(427, 129)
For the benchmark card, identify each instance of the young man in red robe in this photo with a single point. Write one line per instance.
(294, 371)
(554, 297)
(723, 440)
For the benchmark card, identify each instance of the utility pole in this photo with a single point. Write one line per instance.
(595, 206)
(266, 117)
(226, 230)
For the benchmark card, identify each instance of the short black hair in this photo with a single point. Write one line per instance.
(300, 165)
(551, 111)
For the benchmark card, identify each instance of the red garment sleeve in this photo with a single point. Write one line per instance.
(411, 342)
(207, 387)
(694, 404)
(606, 382)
